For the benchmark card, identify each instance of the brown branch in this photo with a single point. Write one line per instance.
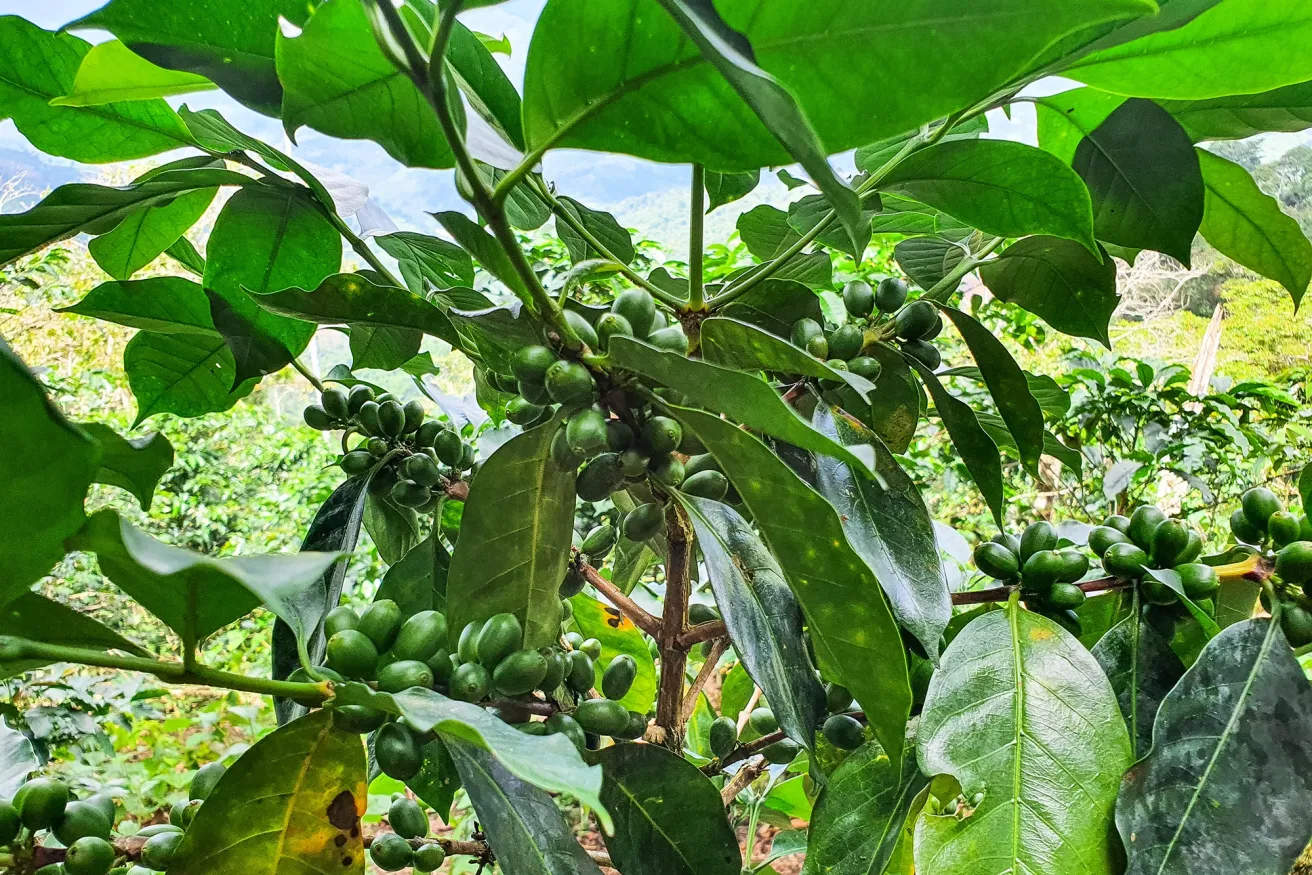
(1002, 593)
(702, 632)
(458, 490)
(708, 667)
(743, 751)
(613, 594)
(674, 660)
(741, 778)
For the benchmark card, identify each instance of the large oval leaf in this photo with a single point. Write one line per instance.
(1060, 282)
(1225, 788)
(1020, 712)
(976, 448)
(1142, 668)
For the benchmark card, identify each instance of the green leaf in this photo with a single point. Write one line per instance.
(1237, 116)
(418, 582)
(353, 299)
(746, 347)
(1007, 384)
(483, 247)
(1247, 225)
(184, 253)
(1053, 399)
(668, 816)
(603, 226)
(1214, 55)
(856, 640)
(292, 803)
(393, 529)
(495, 334)
(134, 464)
(1019, 711)
(1142, 668)
(621, 77)
(1143, 175)
(525, 208)
(146, 233)
(438, 780)
(39, 67)
(112, 72)
(765, 231)
(1001, 435)
(166, 304)
(977, 450)
(805, 214)
(184, 374)
(889, 527)
(37, 618)
(47, 467)
(725, 188)
(617, 635)
(1065, 119)
(233, 46)
(1000, 187)
(515, 540)
(763, 617)
(1223, 789)
(902, 215)
(927, 260)
(193, 594)
(895, 412)
(78, 207)
(428, 262)
(775, 304)
(860, 815)
(385, 349)
(1058, 281)
(524, 826)
(17, 759)
(745, 398)
(1171, 578)
(337, 81)
(489, 90)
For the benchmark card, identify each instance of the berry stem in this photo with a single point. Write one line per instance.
(696, 238)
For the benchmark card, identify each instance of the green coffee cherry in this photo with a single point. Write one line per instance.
(858, 298)
(618, 677)
(638, 308)
(762, 721)
(671, 339)
(357, 462)
(996, 561)
(317, 418)
(569, 383)
(723, 736)
(1143, 526)
(890, 294)
(1041, 535)
(530, 364)
(806, 330)
(381, 621)
(414, 415)
(586, 433)
(1125, 560)
(391, 853)
(844, 732)
(846, 342)
(352, 654)
(662, 435)
(643, 522)
(356, 398)
(429, 858)
(915, 320)
(206, 779)
(1259, 504)
(706, 484)
(500, 636)
(583, 328)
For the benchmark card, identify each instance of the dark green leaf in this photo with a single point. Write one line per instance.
(895, 412)
(977, 450)
(495, 334)
(146, 233)
(418, 582)
(815, 270)
(902, 215)
(166, 304)
(745, 398)
(725, 188)
(37, 618)
(525, 208)
(134, 464)
(428, 262)
(47, 466)
(1001, 435)
(393, 529)
(741, 345)
(1171, 578)
(775, 304)
(873, 157)
(617, 635)
(1247, 225)
(515, 540)
(1223, 790)
(1143, 175)
(763, 617)
(602, 226)
(292, 803)
(1237, 116)
(855, 637)
(338, 81)
(17, 759)
(669, 819)
(889, 527)
(860, 815)
(437, 781)
(1058, 281)
(353, 299)
(927, 260)
(385, 349)
(1020, 712)
(483, 247)
(485, 84)
(805, 214)
(766, 232)
(111, 72)
(184, 253)
(1053, 399)
(1065, 119)
(38, 66)
(187, 374)
(1142, 668)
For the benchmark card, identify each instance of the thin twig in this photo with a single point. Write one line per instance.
(613, 594)
(708, 667)
(305, 372)
(696, 238)
(747, 710)
(741, 778)
(702, 632)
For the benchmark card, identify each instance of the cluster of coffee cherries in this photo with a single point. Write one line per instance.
(418, 454)
(884, 310)
(1046, 569)
(1268, 528)
(396, 850)
(44, 806)
(842, 728)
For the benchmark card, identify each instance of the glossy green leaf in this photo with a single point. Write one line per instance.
(1142, 668)
(1065, 119)
(385, 349)
(185, 374)
(79, 207)
(1143, 175)
(763, 617)
(1170, 14)
(1019, 711)
(47, 466)
(775, 304)
(1232, 48)
(515, 540)
(394, 529)
(977, 450)
(428, 262)
(524, 826)
(39, 67)
(1237, 116)
(1001, 435)
(1236, 601)
(745, 398)
(438, 779)
(1053, 399)
(146, 233)
(290, 804)
(618, 636)
(1007, 384)
(725, 188)
(495, 334)
(742, 345)
(856, 640)
(765, 231)
(38, 618)
(1247, 225)
(483, 247)
(805, 214)
(1003, 188)
(490, 92)
(184, 253)
(112, 72)
(889, 527)
(669, 819)
(418, 582)
(903, 215)
(895, 412)
(17, 759)
(602, 226)
(134, 464)
(266, 240)
(927, 260)
(353, 299)
(193, 594)
(1058, 281)
(815, 270)
(860, 816)
(1231, 767)
(525, 207)
(339, 82)
(167, 305)
(1171, 578)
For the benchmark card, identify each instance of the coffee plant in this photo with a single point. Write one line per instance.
(1120, 699)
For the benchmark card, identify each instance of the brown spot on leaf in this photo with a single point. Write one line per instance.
(340, 840)
(341, 812)
(347, 861)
